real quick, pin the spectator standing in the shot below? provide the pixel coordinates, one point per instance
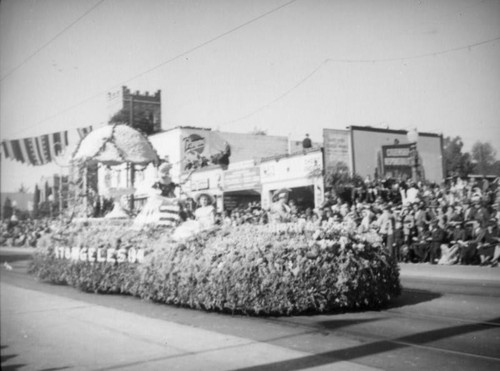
(306, 143)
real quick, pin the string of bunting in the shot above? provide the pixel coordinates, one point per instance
(40, 150)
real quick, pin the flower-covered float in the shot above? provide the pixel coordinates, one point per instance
(271, 269)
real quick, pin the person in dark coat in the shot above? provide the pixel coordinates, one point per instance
(437, 237)
(419, 251)
(306, 143)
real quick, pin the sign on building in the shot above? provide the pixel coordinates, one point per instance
(242, 179)
(337, 150)
(397, 161)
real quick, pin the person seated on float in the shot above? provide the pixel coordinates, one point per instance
(205, 213)
(366, 220)
(294, 210)
(204, 219)
(280, 211)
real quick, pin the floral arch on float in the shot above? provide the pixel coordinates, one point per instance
(114, 145)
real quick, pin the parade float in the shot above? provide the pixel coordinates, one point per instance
(271, 269)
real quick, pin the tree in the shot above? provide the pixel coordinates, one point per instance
(23, 189)
(457, 163)
(36, 201)
(483, 156)
(258, 131)
(8, 209)
(341, 183)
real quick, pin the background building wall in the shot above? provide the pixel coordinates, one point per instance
(367, 144)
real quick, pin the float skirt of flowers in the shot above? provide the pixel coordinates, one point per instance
(271, 270)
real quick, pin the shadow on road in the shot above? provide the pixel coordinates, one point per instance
(14, 258)
(413, 297)
(377, 347)
(6, 357)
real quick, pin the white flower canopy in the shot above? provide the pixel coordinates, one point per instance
(115, 144)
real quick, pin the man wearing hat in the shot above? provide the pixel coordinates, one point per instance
(489, 243)
(451, 254)
(437, 238)
(280, 211)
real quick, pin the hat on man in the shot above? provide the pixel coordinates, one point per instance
(165, 167)
(281, 193)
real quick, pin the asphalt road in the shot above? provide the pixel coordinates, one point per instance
(447, 318)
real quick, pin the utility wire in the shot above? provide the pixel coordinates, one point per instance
(281, 96)
(333, 60)
(399, 59)
(189, 51)
(28, 58)
(164, 62)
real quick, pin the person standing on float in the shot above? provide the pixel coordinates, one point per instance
(162, 207)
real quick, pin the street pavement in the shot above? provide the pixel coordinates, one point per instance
(437, 323)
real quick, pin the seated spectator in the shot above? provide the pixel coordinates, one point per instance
(468, 250)
(450, 253)
(437, 237)
(419, 250)
(489, 244)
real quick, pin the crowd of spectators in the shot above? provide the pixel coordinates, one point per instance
(22, 233)
(452, 223)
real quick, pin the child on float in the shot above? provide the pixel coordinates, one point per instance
(204, 218)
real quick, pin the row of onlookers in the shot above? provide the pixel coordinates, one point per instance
(457, 223)
(22, 233)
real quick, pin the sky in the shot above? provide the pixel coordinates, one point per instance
(288, 67)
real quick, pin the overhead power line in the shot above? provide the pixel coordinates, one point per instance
(300, 82)
(28, 58)
(170, 60)
(281, 96)
(419, 56)
(336, 60)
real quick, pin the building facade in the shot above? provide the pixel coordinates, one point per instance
(141, 111)
(363, 150)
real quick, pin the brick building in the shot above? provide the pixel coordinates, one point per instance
(141, 111)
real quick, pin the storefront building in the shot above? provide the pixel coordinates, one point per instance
(379, 153)
(301, 173)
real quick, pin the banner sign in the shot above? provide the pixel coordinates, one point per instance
(241, 179)
(200, 148)
(397, 160)
(100, 255)
(337, 150)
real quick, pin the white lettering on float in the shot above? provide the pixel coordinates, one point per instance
(100, 255)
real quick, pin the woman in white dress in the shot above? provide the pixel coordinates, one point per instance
(205, 218)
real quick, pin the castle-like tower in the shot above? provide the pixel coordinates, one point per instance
(141, 111)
